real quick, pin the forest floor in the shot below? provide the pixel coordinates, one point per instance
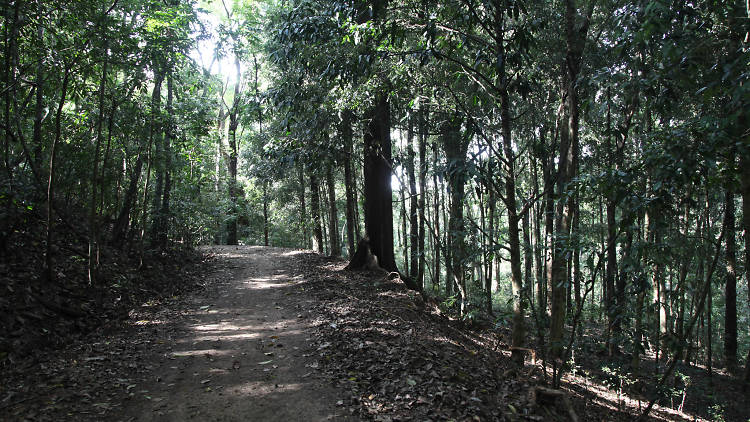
(287, 335)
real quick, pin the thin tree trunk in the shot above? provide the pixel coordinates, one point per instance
(490, 257)
(303, 211)
(730, 290)
(315, 213)
(157, 158)
(39, 112)
(455, 148)
(518, 334)
(48, 258)
(575, 34)
(352, 236)
(93, 258)
(745, 192)
(436, 222)
(265, 213)
(234, 122)
(422, 116)
(168, 135)
(413, 204)
(333, 224)
(404, 240)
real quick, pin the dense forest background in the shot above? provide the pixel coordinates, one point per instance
(564, 166)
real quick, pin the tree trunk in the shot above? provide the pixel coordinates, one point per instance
(455, 148)
(575, 35)
(490, 257)
(233, 156)
(333, 219)
(611, 269)
(527, 256)
(436, 232)
(93, 252)
(549, 229)
(265, 213)
(315, 213)
(302, 209)
(39, 112)
(745, 192)
(422, 116)
(518, 330)
(730, 293)
(352, 236)
(403, 239)
(48, 272)
(123, 218)
(377, 185)
(414, 250)
(168, 135)
(157, 157)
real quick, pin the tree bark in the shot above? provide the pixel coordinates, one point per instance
(315, 213)
(333, 219)
(302, 207)
(265, 213)
(48, 272)
(518, 334)
(745, 192)
(232, 164)
(352, 236)
(414, 250)
(422, 115)
(93, 252)
(575, 35)
(157, 157)
(455, 148)
(730, 292)
(436, 209)
(377, 185)
(167, 170)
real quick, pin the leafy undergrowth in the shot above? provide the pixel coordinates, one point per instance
(398, 360)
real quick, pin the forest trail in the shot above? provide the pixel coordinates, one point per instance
(240, 352)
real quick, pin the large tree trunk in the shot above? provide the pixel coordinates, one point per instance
(377, 185)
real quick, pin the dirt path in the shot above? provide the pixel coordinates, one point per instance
(240, 353)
